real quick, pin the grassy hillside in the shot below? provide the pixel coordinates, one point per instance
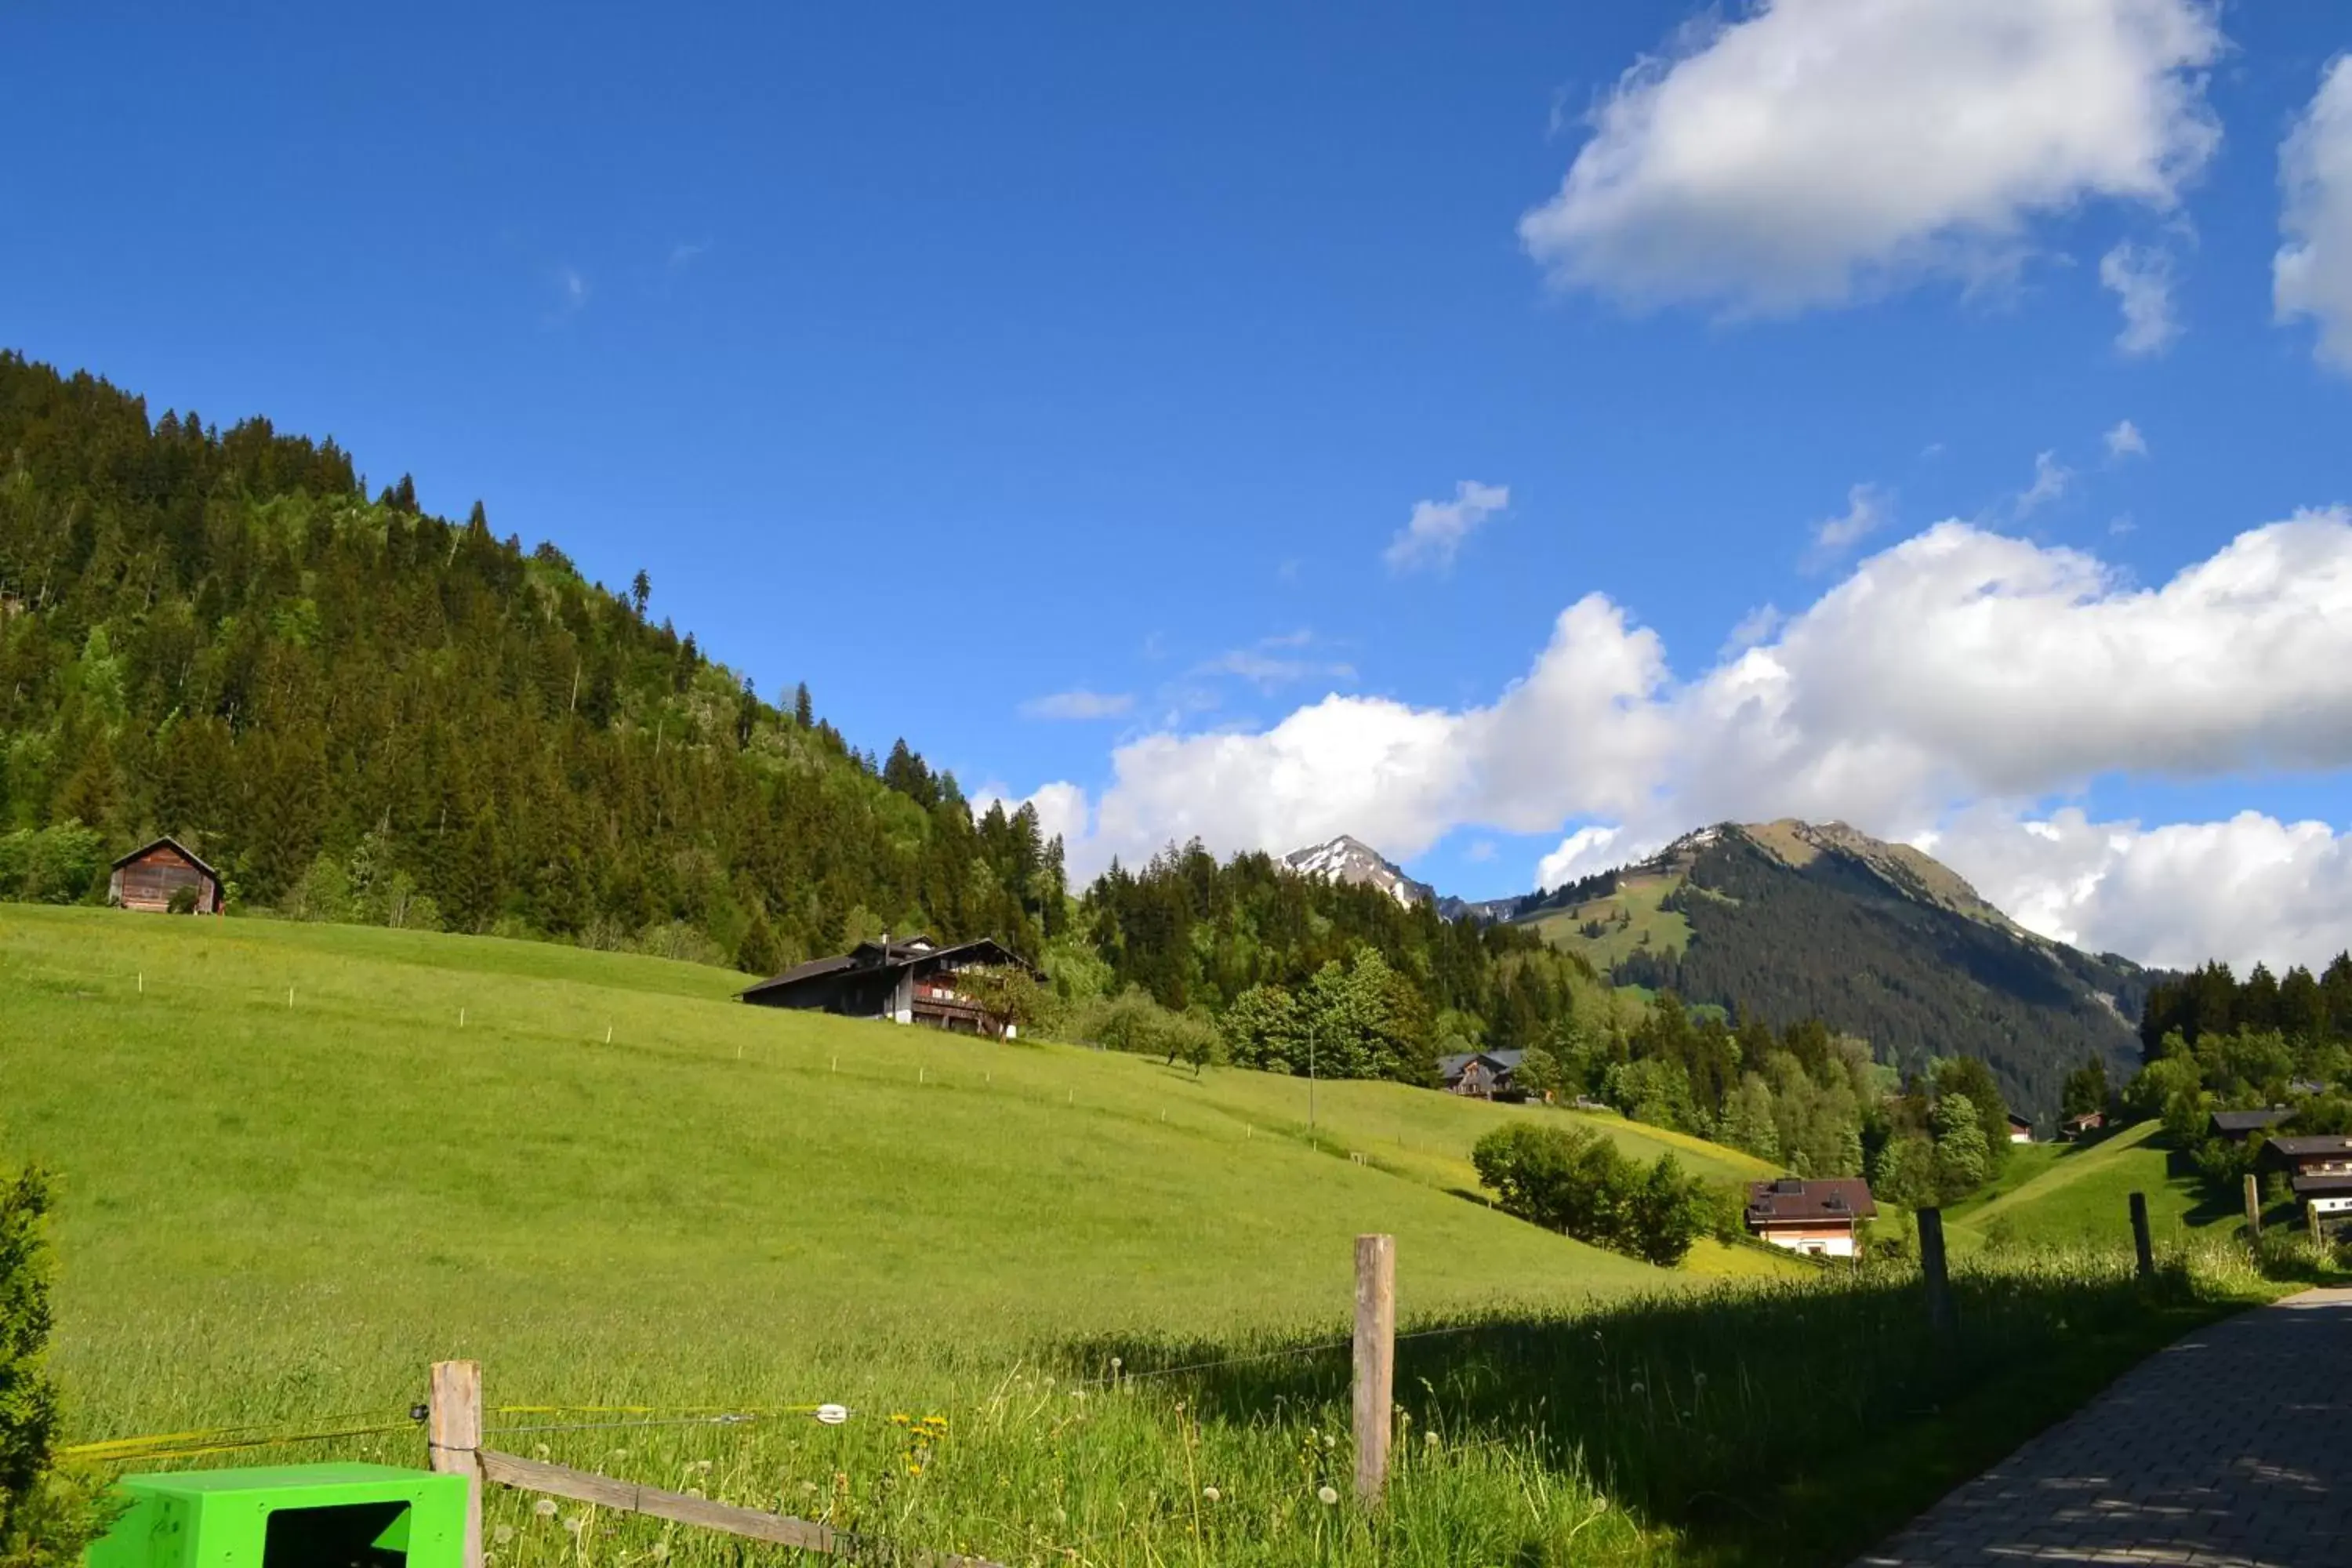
(326, 1190)
(281, 1207)
(2061, 1196)
(1629, 918)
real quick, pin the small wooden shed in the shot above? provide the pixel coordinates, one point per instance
(148, 877)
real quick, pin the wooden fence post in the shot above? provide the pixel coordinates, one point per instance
(1940, 1316)
(452, 1439)
(2311, 1216)
(2141, 1246)
(1375, 1362)
(2253, 1207)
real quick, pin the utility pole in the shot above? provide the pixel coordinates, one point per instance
(1311, 1077)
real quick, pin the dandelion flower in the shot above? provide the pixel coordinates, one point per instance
(1429, 1438)
(660, 1550)
(1325, 1496)
(544, 1508)
(1213, 1494)
(576, 1524)
(703, 1465)
(539, 1450)
(503, 1534)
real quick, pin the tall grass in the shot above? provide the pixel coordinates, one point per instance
(1767, 1422)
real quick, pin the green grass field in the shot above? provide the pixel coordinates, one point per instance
(299, 1162)
(356, 1169)
(2068, 1196)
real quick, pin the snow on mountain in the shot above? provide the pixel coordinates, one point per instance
(1350, 860)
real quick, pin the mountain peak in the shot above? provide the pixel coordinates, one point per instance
(1348, 858)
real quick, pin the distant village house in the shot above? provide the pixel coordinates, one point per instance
(2238, 1126)
(909, 982)
(2081, 1123)
(2320, 1171)
(151, 876)
(1819, 1218)
(1482, 1075)
(2021, 1127)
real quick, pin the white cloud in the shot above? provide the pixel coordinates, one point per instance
(1585, 851)
(1752, 629)
(571, 290)
(2125, 441)
(687, 252)
(2312, 275)
(2051, 478)
(1078, 705)
(1434, 532)
(1867, 507)
(1809, 152)
(1954, 671)
(2250, 888)
(1272, 662)
(2141, 278)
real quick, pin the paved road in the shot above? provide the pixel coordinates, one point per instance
(2231, 1448)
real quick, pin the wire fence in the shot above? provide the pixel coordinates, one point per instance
(213, 1440)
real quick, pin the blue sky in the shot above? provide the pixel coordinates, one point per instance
(950, 359)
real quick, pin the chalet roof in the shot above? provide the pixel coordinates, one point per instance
(1452, 1067)
(2024, 1122)
(2250, 1121)
(1793, 1198)
(173, 844)
(885, 957)
(2322, 1182)
(2317, 1144)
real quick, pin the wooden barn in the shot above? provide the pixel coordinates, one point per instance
(148, 877)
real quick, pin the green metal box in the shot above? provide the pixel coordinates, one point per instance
(288, 1516)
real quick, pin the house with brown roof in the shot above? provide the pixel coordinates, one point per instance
(1819, 1218)
(152, 876)
(2319, 1169)
(2081, 1124)
(909, 982)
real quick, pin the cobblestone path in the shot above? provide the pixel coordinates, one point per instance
(2233, 1449)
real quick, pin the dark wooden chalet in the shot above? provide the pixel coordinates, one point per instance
(1817, 1217)
(2238, 1126)
(909, 982)
(148, 877)
(1482, 1075)
(2320, 1169)
(2021, 1127)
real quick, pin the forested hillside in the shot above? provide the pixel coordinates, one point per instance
(359, 711)
(1783, 938)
